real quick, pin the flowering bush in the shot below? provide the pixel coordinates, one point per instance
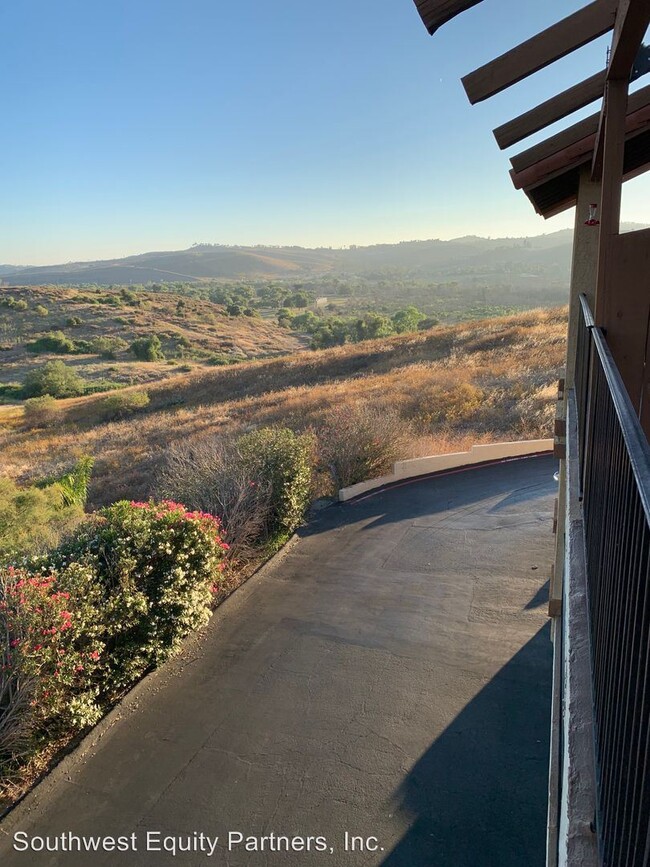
(82, 623)
(157, 566)
(50, 654)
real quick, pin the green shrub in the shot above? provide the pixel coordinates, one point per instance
(74, 322)
(221, 360)
(283, 460)
(123, 403)
(158, 567)
(34, 519)
(41, 411)
(74, 484)
(11, 391)
(147, 348)
(54, 378)
(41, 311)
(55, 341)
(130, 297)
(108, 347)
(13, 304)
(97, 386)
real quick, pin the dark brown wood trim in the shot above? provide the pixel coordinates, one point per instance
(551, 44)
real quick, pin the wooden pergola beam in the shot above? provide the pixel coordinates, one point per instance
(553, 109)
(632, 22)
(564, 139)
(576, 153)
(551, 44)
(435, 13)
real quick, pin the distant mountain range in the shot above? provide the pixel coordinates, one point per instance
(546, 255)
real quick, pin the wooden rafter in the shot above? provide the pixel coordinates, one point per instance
(576, 152)
(549, 172)
(550, 111)
(435, 13)
(573, 134)
(541, 50)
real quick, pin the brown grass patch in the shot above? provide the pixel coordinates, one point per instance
(475, 382)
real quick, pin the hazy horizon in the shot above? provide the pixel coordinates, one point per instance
(163, 249)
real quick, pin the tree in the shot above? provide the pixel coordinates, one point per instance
(285, 317)
(374, 325)
(54, 378)
(147, 348)
(407, 319)
(299, 299)
(307, 321)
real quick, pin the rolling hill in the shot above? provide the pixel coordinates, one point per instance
(428, 259)
(191, 331)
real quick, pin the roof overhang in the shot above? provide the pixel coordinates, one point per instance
(435, 13)
(548, 172)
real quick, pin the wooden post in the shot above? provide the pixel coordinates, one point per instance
(613, 120)
(584, 265)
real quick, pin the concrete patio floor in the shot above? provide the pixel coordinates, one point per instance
(389, 677)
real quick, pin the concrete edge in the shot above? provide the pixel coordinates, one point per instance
(478, 454)
(130, 703)
(577, 842)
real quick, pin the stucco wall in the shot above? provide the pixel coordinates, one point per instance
(436, 463)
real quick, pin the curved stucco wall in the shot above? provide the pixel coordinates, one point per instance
(436, 463)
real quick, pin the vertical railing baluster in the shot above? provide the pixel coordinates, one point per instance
(614, 463)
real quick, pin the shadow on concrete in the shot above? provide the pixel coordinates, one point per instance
(540, 598)
(458, 489)
(477, 797)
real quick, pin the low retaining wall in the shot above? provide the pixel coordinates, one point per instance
(434, 464)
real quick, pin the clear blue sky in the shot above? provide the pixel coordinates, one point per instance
(133, 125)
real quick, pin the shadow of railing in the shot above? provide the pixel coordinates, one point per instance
(458, 489)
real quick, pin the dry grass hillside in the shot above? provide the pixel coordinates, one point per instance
(479, 381)
(195, 332)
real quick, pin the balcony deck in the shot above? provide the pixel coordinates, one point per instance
(389, 677)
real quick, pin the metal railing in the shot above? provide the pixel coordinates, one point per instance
(615, 474)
